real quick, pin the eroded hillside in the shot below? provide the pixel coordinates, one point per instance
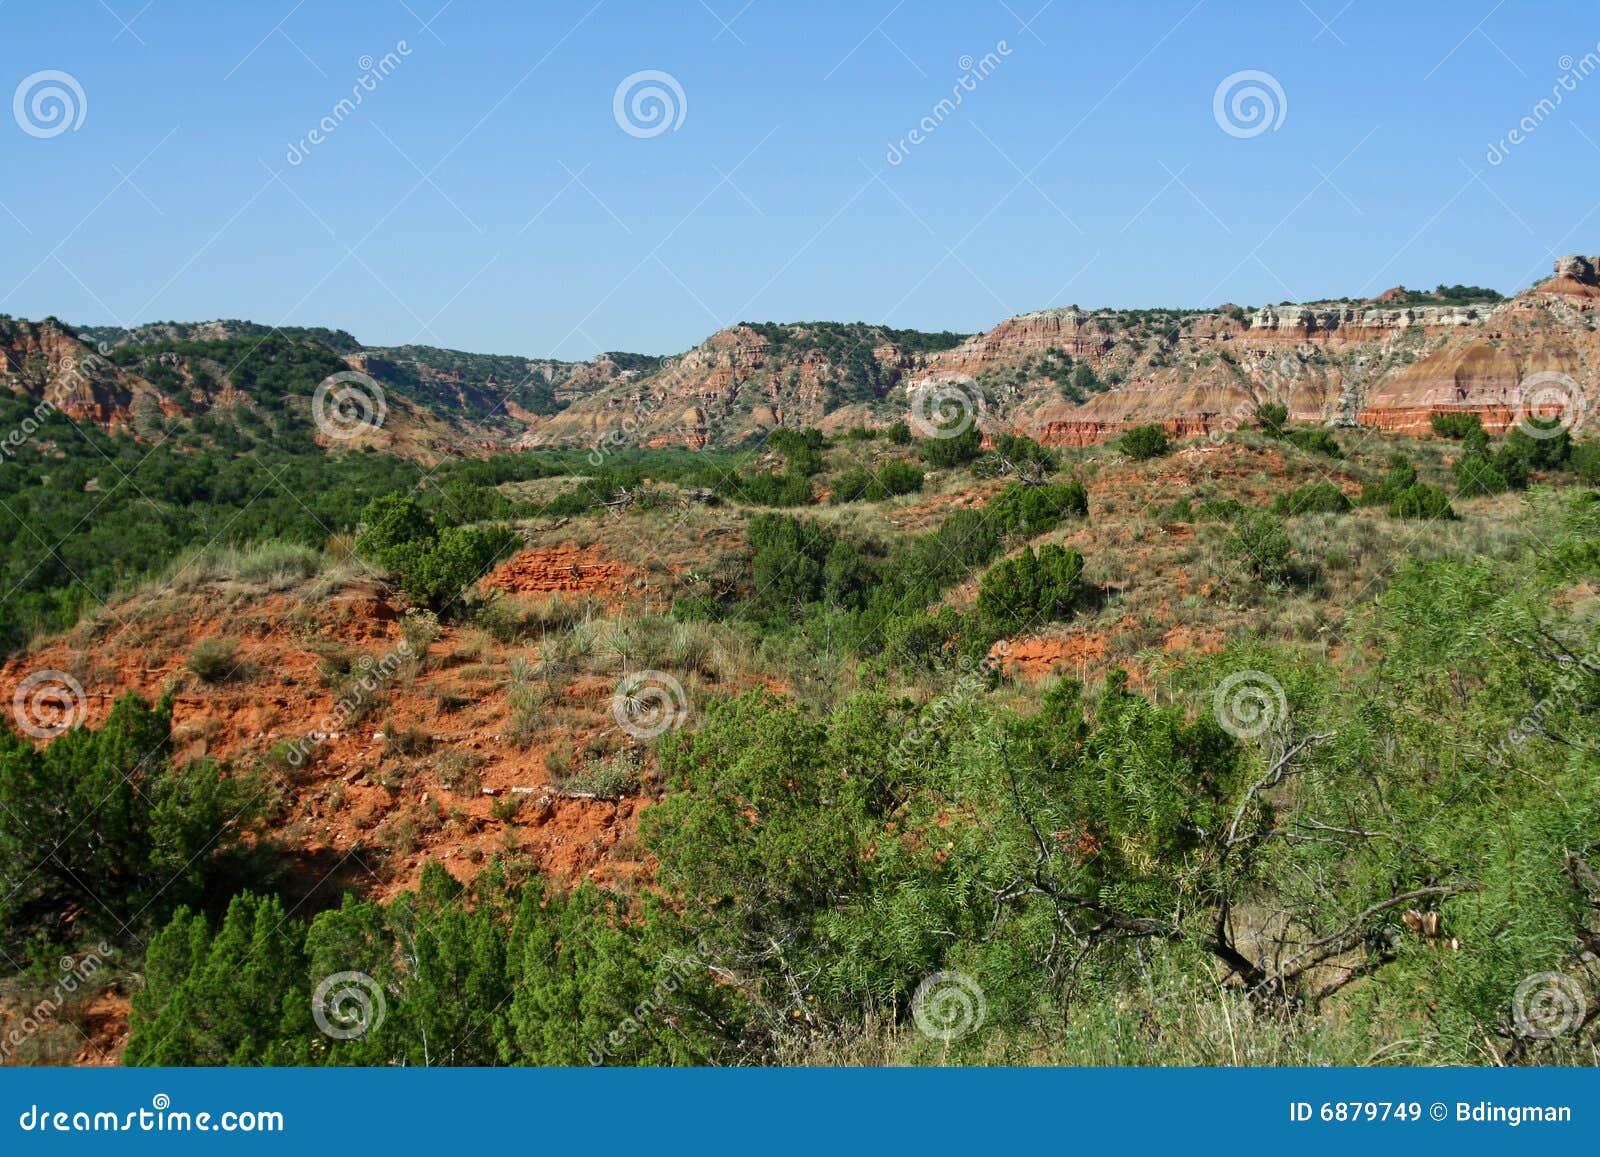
(1067, 377)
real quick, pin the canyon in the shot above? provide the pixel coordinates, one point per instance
(1066, 376)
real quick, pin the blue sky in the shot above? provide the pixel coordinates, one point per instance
(484, 196)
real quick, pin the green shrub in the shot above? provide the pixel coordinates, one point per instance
(795, 564)
(959, 442)
(1455, 424)
(1180, 509)
(394, 522)
(802, 449)
(1312, 498)
(920, 641)
(1142, 442)
(1220, 510)
(851, 486)
(1262, 547)
(1314, 440)
(241, 975)
(1401, 476)
(1083, 381)
(1476, 475)
(1521, 453)
(696, 609)
(129, 836)
(461, 501)
(1421, 501)
(1271, 417)
(1585, 461)
(898, 477)
(891, 479)
(1025, 455)
(1020, 509)
(216, 661)
(843, 592)
(1031, 588)
(460, 556)
(1512, 464)
(762, 488)
(434, 567)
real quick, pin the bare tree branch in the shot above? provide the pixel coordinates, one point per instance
(1271, 779)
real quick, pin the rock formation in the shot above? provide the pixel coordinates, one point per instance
(1066, 376)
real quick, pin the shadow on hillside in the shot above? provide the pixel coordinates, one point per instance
(308, 881)
(312, 881)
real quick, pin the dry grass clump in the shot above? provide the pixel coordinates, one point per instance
(217, 661)
(276, 566)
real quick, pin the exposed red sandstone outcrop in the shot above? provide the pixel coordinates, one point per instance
(1195, 373)
(44, 360)
(558, 569)
(1069, 331)
(1383, 364)
(1477, 377)
(736, 383)
(1575, 276)
(1484, 372)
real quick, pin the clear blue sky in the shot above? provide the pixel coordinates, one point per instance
(484, 196)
